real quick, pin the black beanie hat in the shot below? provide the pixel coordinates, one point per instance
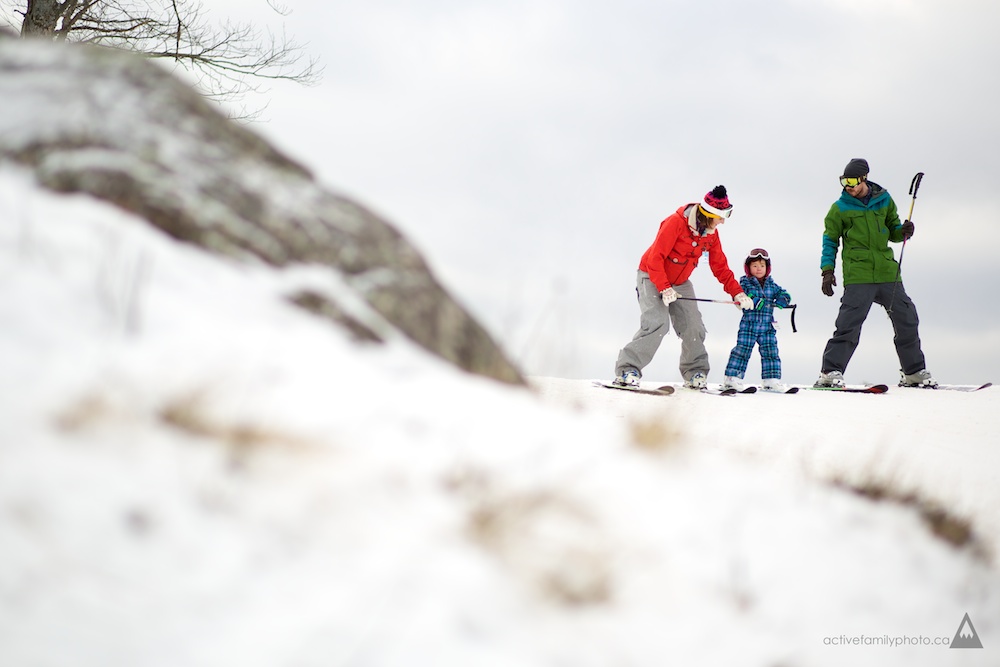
(856, 168)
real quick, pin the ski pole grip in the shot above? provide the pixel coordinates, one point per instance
(915, 183)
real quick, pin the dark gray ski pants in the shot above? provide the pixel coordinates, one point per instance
(854, 307)
(654, 323)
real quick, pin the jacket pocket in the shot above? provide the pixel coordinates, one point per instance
(856, 253)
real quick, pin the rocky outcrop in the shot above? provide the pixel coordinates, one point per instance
(122, 129)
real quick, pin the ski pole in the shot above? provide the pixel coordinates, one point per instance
(733, 303)
(793, 307)
(914, 186)
(691, 298)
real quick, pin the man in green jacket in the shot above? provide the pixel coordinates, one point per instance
(866, 219)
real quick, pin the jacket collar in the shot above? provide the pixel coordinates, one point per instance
(691, 211)
(875, 194)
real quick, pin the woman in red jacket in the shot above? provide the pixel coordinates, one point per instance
(663, 276)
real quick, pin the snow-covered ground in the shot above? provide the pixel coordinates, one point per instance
(194, 472)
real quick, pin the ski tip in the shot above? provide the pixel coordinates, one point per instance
(965, 387)
(953, 387)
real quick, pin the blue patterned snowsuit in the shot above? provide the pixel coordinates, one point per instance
(757, 327)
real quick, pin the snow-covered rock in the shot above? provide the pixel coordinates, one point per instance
(120, 128)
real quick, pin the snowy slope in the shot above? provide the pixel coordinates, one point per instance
(194, 472)
(942, 444)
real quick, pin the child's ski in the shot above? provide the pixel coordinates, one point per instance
(712, 392)
(873, 389)
(723, 392)
(665, 390)
(790, 390)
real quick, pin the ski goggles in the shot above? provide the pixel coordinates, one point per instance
(712, 212)
(849, 182)
(758, 254)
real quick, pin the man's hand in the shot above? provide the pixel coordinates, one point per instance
(829, 280)
(669, 296)
(744, 302)
(907, 228)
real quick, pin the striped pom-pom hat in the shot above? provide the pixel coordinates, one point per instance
(716, 203)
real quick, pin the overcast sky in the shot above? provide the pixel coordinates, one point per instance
(531, 149)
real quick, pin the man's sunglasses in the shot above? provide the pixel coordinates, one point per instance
(851, 182)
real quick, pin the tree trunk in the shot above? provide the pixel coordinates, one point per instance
(41, 18)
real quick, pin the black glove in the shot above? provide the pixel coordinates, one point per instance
(829, 280)
(907, 228)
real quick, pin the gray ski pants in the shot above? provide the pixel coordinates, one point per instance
(654, 323)
(854, 307)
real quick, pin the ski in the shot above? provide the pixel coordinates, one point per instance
(712, 392)
(873, 389)
(790, 390)
(723, 392)
(954, 387)
(665, 390)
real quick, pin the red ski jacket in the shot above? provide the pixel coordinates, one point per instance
(677, 249)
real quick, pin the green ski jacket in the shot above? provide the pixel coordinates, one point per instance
(866, 230)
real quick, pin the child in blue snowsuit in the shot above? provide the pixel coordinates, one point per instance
(757, 325)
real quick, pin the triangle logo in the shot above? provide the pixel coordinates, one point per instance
(966, 636)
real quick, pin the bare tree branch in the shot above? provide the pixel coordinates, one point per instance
(227, 61)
